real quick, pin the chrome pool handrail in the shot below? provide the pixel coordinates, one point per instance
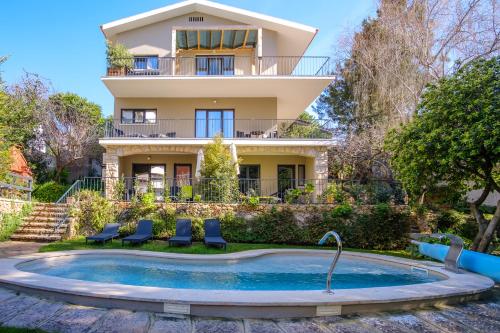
(335, 259)
(454, 252)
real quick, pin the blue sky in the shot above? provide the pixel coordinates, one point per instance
(61, 39)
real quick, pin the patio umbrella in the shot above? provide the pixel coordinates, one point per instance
(199, 160)
(234, 157)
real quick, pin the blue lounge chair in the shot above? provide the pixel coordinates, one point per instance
(143, 233)
(212, 233)
(109, 232)
(183, 233)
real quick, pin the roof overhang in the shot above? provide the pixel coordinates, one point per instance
(296, 35)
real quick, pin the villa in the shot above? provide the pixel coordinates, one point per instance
(202, 69)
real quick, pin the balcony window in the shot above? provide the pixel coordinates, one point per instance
(146, 63)
(250, 179)
(209, 123)
(215, 65)
(140, 116)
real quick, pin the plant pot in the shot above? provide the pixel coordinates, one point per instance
(116, 71)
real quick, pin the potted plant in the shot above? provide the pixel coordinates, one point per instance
(119, 59)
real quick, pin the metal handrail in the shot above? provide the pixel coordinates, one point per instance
(335, 259)
(262, 129)
(320, 66)
(454, 252)
(74, 188)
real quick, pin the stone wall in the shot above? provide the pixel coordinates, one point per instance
(9, 206)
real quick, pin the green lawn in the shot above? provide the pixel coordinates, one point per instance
(196, 248)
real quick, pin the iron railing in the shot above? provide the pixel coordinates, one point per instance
(225, 66)
(16, 186)
(242, 190)
(270, 129)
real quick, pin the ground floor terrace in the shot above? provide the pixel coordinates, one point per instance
(173, 171)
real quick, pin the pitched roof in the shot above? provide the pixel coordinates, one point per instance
(296, 33)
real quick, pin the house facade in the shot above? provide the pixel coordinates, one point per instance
(202, 69)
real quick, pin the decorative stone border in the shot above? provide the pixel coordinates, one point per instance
(244, 304)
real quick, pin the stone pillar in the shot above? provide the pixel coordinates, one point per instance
(111, 175)
(320, 172)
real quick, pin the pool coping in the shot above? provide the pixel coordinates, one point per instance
(225, 303)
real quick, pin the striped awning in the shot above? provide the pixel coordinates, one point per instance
(216, 39)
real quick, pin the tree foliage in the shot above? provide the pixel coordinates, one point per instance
(219, 179)
(383, 68)
(455, 139)
(70, 127)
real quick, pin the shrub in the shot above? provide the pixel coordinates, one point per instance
(92, 212)
(333, 194)
(11, 221)
(118, 56)
(49, 192)
(344, 211)
(220, 183)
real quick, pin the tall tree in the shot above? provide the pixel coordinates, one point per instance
(455, 140)
(70, 126)
(384, 68)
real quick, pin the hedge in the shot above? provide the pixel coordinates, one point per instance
(381, 226)
(374, 227)
(49, 192)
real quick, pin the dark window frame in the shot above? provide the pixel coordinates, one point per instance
(301, 181)
(250, 165)
(207, 120)
(136, 56)
(210, 57)
(150, 165)
(133, 116)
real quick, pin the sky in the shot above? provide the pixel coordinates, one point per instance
(61, 40)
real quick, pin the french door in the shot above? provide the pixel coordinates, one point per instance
(210, 123)
(146, 175)
(215, 65)
(286, 179)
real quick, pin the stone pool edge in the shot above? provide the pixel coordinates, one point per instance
(244, 304)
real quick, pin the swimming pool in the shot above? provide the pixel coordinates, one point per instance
(269, 272)
(270, 283)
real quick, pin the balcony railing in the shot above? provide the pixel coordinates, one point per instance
(269, 129)
(225, 66)
(245, 190)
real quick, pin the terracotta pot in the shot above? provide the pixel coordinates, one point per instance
(115, 71)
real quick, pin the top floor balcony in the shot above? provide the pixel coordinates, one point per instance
(223, 66)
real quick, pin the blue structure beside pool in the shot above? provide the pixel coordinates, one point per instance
(476, 262)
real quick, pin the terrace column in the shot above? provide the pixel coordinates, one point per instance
(174, 50)
(259, 51)
(321, 172)
(110, 160)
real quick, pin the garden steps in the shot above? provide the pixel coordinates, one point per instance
(41, 224)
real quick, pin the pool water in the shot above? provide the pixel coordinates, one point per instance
(269, 272)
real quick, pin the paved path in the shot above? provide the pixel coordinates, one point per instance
(20, 310)
(11, 248)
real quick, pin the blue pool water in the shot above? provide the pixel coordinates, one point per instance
(270, 272)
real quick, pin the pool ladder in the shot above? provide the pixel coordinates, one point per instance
(335, 259)
(455, 250)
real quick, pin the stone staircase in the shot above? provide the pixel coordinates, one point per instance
(40, 225)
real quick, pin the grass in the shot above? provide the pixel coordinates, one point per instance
(196, 248)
